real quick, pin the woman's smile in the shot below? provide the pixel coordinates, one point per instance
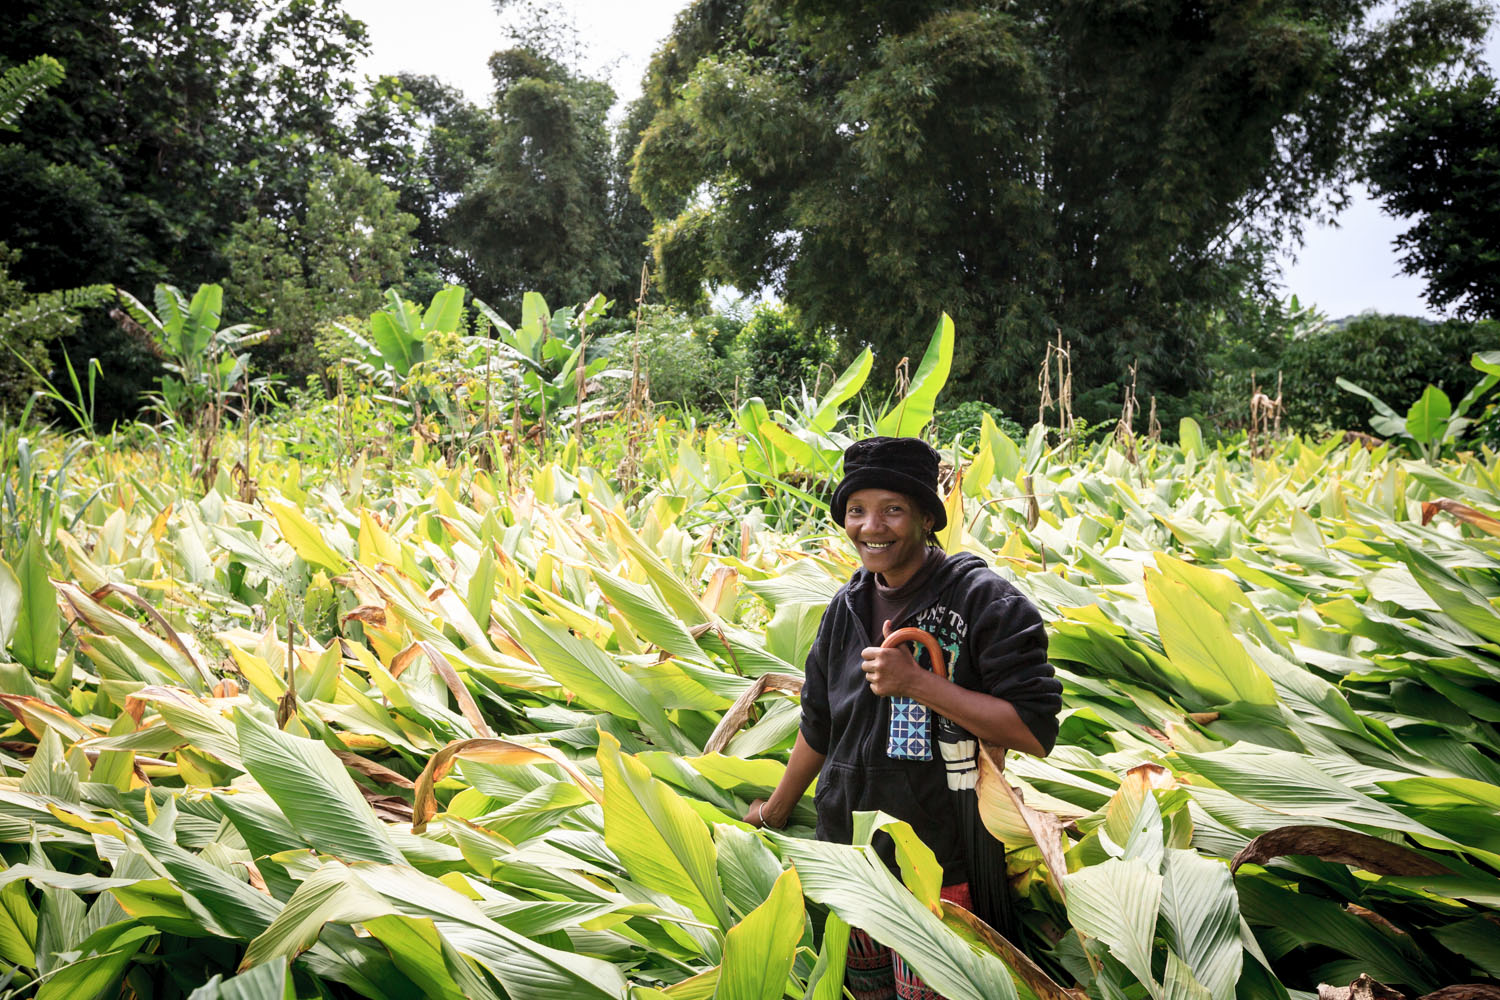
(889, 531)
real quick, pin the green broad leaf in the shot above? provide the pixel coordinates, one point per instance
(535, 317)
(1457, 599)
(792, 630)
(10, 603)
(1190, 436)
(33, 639)
(446, 311)
(305, 538)
(325, 676)
(1133, 826)
(759, 950)
(227, 906)
(826, 982)
(1292, 784)
(1202, 912)
(396, 331)
(1178, 982)
(264, 982)
(1117, 903)
(919, 866)
(202, 319)
(661, 841)
(1487, 362)
(481, 589)
(842, 390)
(1007, 453)
(747, 869)
(1427, 420)
(106, 954)
(1311, 920)
(1474, 938)
(1437, 793)
(49, 774)
(647, 615)
(328, 895)
(1478, 391)
(588, 671)
(427, 959)
(1386, 421)
(804, 457)
(855, 884)
(314, 790)
(206, 729)
(910, 414)
(526, 968)
(1211, 661)
(979, 475)
(156, 902)
(17, 926)
(803, 582)
(673, 589)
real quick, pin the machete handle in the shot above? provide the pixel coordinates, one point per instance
(934, 651)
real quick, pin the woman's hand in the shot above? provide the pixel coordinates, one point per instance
(758, 817)
(891, 671)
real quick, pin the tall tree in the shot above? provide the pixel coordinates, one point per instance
(336, 259)
(1104, 170)
(544, 202)
(1437, 162)
(174, 118)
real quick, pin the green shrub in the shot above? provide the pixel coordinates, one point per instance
(677, 353)
(1244, 344)
(965, 419)
(778, 350)
(1393, 357)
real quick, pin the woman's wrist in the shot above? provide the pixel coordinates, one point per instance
(768, 817)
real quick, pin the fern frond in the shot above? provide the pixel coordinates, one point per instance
(51, 313)
(20, 85)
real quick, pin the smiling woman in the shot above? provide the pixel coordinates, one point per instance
(868, 709)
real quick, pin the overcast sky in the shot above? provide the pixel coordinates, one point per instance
(1342, 269)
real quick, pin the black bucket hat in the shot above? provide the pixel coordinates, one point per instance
(902, 465)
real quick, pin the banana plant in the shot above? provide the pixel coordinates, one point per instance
(1432, 423)
(553, 359)
(201, 359)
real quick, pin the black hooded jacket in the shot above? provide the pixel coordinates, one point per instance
(994, 642)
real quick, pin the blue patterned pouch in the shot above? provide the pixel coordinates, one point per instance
(911, 730)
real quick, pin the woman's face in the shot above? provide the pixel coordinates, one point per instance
(889, 531)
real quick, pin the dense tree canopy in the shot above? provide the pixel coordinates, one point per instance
(538, 186)
(173, 119)
(1437, 162)
(1104, 170)
(337, 259)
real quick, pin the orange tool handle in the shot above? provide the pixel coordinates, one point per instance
(934, 651)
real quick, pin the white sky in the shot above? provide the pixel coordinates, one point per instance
(1346, 268)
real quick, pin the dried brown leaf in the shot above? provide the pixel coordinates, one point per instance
(735, 717)
(1476, 519)
(1020, 965)
(1359, 850)
(371, 769)
(999, 803)
(486, 751)
(466, 703)
(1363, 988)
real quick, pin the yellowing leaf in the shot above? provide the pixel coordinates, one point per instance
(1207, 655)
(305, 538)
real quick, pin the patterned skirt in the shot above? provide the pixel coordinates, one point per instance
(875, 972)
